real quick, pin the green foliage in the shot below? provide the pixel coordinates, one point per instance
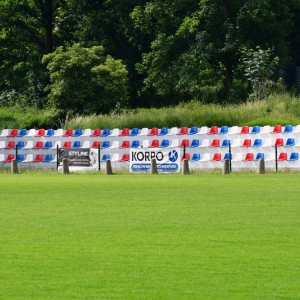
(83, 80)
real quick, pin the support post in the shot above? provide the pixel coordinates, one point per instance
(108, 168)
(65, 166)
(14, 166)
(229, 156)
(261, 166)
(226, 167)
(276, 161)
(153, 167)
(185, 167)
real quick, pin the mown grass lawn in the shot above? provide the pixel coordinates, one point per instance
(204, 236)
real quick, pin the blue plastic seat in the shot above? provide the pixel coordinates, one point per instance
(105, 132)
(47, 158)
(257, 143)
(196, 157)
(135, 144)
(227, 156)
(48, 145)
(76, 144)
(255, 129)
(224, 130)
(164, 144)
(225, 144)
(77, 132)
(105, 144)
(20, 157)
(20, 145)
(195, 143)
(288, 129)
(50, 132)
(193, 130)
(22, 133)
(134, 132)
(259, 156)
(294, 156)
(163, 131)
(290, 142)
(105, 157)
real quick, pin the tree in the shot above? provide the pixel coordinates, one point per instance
(84, 81)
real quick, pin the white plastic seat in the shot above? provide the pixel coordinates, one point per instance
(233, 130)
(145, 144)
(237, 157)
(270, 157)
(205, 157)
(59, 132)
(115, 132)
(115, 145)
(54, 159)
(31, 132)
(173, 131)
(29, 158)
(236, 143)
(86, 144)
(2, 144)
(297, 129)
(57, 143)
(203, 130)
(174, 143)
(204, 143)
(144, 131)
(2, 157)
(266, 143)
(266, 129)
(87, 132)
(115, 157)
(5, 132)
(28, 145)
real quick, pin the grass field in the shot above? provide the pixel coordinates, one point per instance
(202, 236)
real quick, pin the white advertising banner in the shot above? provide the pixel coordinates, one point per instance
(167, 160)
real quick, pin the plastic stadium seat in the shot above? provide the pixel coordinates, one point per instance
(204, 143)
(203, 130)
(105, 157)
(59, 132)
(196, 157)
(267, 143)
(213, 130)
(237, 157)
(22, 133)
(216, 157)
(257, 143)
(20, 158)
(56, 144)
(135, 144)
(249, 157)
(279, 142)
(205, 157)
(31, 132)
(282, 156)
(50, 132)
(38, 145)
(185, 143)
(259, 156)
(38, 158)
(29, 158)
(115, 157)
(69, 132)
(186, 156)
(20, 145)
(288, 129)
(47, 158)
(134, 132)
(145, 144)
(277, 129)
(294, 156)
(270, 157)
(47, 145)
(77, 132)
(255, 130)
(290, 142)
(195, 143)
(234, 130)
(41, 132)
(2, 144)
(225, 144)
(28, 145)
(214, 143)
(193, 130)
(114, 145)
(246, 143)
(173, 131)
(144, 131)
(87, 132)
(244, 130)
(125, 157)
(10, 145)
(86, 144)
(227, 156)
(103, 145)
(125, 144)
(183, 131)
(154, 144)
(9, 158)
(13, 133)
(67, 145)
(76, 144)
(96, 132)
(236, 143)
(163, 131)
(174, 143)
(164, 144)
(224, 130)
(124, 132)
(153, 131)
(115, 132)
(266, 129)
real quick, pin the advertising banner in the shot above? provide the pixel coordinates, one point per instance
(76, 157)
(167, 160)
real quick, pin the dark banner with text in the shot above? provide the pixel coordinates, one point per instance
(76, 157)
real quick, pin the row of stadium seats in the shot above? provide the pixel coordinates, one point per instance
(10, 133)
(279, 142)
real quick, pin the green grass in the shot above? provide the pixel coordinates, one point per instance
(203, 236)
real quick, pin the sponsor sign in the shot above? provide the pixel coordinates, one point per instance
(76, 157)
(166, 160)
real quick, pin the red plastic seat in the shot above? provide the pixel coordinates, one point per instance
(124, 158)
(185, 143)
(213, 130)
(282, 156)
(13, 133)
(279, 142)
(41, 132)
(153, 131)
(183, 130)
(249, 157)
(216, 157)
(215, 143)
(67, 144)
(244, 130)
(10, 158)
(96, 144)
(154, 144)
(69, 132)
(186, 156)
(246, 143)
(10, 145)
(38, 158)
(125, 144)
(96, 132)
(125, 132)
(277, 129)
(38, 145)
